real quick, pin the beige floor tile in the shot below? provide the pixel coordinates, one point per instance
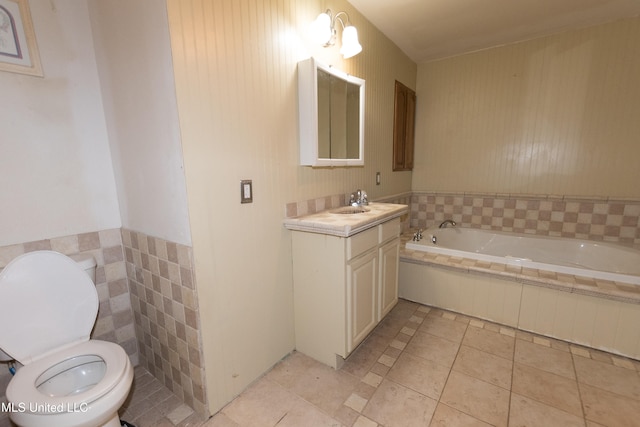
(478, 361)
(609, 409)
(390, 326)
(359, 363)
(314, 382)
(404, 309)
(221, 420)
(443, 328)
(446, 416)
(527, 412)
(346, 416)
(364, 422)
(433, 348)
(613, 378)
(418, 374)
(393, 405)
(484, 366)
(545, 358)
(262, 404)
(481, 400)
(548, 388)
(305, 414)
(356, 402)
(179, 414)
(378, 340)
(490, 342)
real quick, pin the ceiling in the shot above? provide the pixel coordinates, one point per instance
(432, 29)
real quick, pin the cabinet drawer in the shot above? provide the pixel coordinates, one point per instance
(362, 242)
(389, 230)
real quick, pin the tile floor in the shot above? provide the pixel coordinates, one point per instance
(424, 367)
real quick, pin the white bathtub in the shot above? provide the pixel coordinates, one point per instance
(593, 313)
(570, 256)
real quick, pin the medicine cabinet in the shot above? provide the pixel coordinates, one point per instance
(403, 127)
(331, 116)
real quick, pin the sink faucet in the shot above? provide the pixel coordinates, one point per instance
(358, 198)
(447, 221)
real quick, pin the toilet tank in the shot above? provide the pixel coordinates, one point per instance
(88, 263)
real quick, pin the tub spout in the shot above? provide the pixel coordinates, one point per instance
(447, 221)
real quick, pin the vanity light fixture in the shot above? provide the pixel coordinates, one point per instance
(324, 31)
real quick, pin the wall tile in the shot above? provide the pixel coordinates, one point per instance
(165, 307)
(596, 219)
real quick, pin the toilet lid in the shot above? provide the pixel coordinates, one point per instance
(46, 302)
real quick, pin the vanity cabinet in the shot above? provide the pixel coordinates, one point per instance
(343, 287)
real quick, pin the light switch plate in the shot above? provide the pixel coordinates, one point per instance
(246, 191)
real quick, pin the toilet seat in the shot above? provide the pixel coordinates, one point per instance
(23, 386)
(48, 302)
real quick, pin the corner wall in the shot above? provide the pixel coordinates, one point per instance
(236, 83)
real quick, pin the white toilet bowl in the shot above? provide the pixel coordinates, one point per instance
(67, 380)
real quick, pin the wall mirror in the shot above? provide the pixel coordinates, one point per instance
(331, 116)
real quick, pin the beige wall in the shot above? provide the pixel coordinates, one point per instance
(235, 69)
(141, 115)
(558, 115)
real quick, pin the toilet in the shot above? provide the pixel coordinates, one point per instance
(48, 306)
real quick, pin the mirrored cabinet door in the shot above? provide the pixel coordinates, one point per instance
(331, 116)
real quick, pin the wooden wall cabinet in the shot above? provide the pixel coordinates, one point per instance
(343, 287)
(403, 128)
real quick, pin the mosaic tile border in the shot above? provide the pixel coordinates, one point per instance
(595, 218)
(165, 307)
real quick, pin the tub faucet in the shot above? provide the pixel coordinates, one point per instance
(417, 236)
(447, 221)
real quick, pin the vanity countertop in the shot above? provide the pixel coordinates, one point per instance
(345, 225)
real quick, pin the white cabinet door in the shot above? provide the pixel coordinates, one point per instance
(389, 264)
(362, 281)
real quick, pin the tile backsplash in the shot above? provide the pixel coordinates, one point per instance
(558, 216)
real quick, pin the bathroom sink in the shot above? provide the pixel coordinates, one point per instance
(350, 210)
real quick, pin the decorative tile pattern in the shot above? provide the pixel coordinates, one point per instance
(558, 216)
(165, 310)
(115, 317)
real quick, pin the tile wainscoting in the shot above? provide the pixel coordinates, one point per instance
(558, 216)
(165, 306)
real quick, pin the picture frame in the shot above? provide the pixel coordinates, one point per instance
(18, 47)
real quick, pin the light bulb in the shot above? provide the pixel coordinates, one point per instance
(321, 29)
(350, 44)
